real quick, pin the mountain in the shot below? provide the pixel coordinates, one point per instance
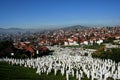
(74, 27)
(14, 29)
(11, 30)
(2, 29)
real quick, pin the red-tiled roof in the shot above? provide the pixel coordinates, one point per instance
(44, 48)
(29, 48)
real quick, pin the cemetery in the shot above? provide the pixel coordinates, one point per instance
(70, 63)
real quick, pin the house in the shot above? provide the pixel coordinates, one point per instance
(66, 43)
(117, 41)
(30, 49)
(70, 42)
(85, 42)
(99, 41)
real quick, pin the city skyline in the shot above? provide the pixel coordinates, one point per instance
(52, 13)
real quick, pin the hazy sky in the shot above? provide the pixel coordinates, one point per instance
(38, 13)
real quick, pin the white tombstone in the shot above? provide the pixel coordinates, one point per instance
(79, 77)
(76, 74)
(67, 75)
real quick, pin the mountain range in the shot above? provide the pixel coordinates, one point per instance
(13, 30)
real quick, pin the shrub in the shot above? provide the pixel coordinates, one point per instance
(113, 54)
(86, 54)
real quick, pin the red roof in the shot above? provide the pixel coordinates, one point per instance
(29, 48)
(44, 48)
(82, 40)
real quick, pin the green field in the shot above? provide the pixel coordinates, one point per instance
(9, 72)
(92, 46)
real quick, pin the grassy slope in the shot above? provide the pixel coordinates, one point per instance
(9, 72)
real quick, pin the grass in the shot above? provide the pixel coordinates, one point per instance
(9, 72)
(92, 46)
(71, 46)
(113, 54)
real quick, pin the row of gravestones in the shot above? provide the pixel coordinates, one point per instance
(77, 66)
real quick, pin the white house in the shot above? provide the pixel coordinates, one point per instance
(99, 41)
(70, 42)
(66, 43)
(85, 42)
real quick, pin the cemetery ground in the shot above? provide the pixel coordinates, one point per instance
(61, 60)
(15, 72)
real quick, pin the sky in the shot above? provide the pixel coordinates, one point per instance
(49, 13)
